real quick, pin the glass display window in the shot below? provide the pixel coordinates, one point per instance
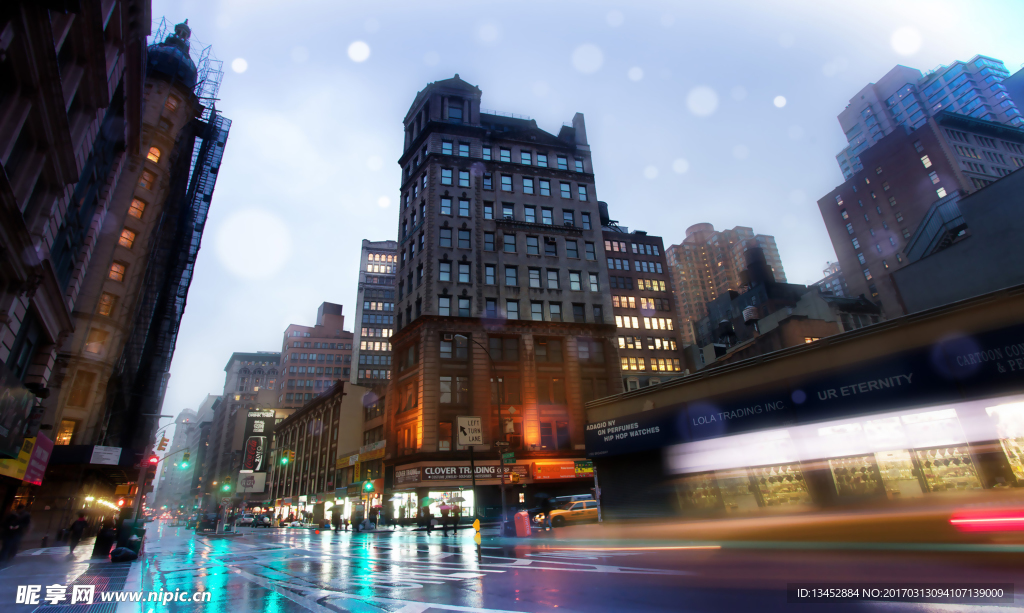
(737, 492)
(948, 469)
(856, 475)
(698, 492)
(899, 475)
(1010, 429)
(460, 499)
(781, 485)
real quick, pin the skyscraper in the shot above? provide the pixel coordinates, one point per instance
(503, 309)
(708, 263)
(314, 357)
(906, 98)
(375, 313)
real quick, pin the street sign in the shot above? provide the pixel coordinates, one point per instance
(471, 431)
(508, 457)
(501, 443)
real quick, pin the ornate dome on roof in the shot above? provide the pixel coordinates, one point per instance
(170, 59)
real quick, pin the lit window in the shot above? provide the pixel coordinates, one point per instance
(95, 341)
(926, 161)
(137, 208)
(64, 434)
(116, 271)
(941, 192)
(147, 180)
(171, 104)
(106, 305)
(127, 238)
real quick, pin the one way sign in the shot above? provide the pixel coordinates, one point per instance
(470, 431)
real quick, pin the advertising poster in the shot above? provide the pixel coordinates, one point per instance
(259, 430)
(38, 460)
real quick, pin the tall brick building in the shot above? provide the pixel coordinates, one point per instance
(503, 308)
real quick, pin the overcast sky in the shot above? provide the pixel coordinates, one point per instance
(682, 103)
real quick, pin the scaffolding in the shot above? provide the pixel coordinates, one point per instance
(209, 70)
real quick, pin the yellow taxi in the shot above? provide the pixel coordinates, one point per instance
(579, 511)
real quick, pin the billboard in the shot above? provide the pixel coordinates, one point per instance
(259, 430)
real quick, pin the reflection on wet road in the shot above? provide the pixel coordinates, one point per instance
(297, 570)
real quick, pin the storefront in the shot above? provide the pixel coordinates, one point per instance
(939, 419)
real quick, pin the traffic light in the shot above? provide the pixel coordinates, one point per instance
(154, 460)
(226, 487)
(291, 456)
(163, 443)
(368, 486)
(120, 502)
(184, 460)
(285, 457)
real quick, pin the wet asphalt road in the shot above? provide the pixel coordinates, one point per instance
(410, 571)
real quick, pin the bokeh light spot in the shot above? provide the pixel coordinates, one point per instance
(779, 101)
(702, 101)
(239, 65)
(383, 202)
(906, 41)
(635, 73)
(358, 51)
(680, 165)
(587, 58)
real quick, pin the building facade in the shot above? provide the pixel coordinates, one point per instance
(871, 217)
(833, 280)
(251, 381)
(709, 263)
(72, 85)
(643, 306)
(173, 479)
(375, 313)
(905, 99)
(504, 308)
(314, 357)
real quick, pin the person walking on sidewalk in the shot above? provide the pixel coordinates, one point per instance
(76, 531)
(14, 528)
(545, 507)
(445, 510)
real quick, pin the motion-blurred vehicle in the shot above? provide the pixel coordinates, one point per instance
(537, 516)
(574, 512)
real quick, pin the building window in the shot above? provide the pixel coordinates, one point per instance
(446, 147)
(454, 390)
(506, 155)
(568, 218)
(594, 286)
(489, 274)
(96, 340)
(555, 311)
(153, 155)
(463, 178)
(487, 153)
(548, 350)
(586, 220)
(552, 278)
(532, 245)
(856, 243)
(572, 249)
(563, 163)
(545, 187)
(849, 227)
(542, 160)
(464, 150)
(463, 272)
(446, 206)
(579, 313)
(934, 176)
(127, 238)
(444, 306)
(512, 309)
(906, 233)
(575, 283)
(147, 180)
(590, 252)
(582, 189)
(490, 308)
(509, 243)
(534, 278)
(579, 165)
(464, 310)
(941, 192)
(464, 242)
(136, 208)
(867, 274)
(65, 432)
(488, 241)
(488, 210)
(525, 157)
(171, 104)
(444, 271)
(488, 185)
(527, 185)
(926, 161)
(861, 258)
(565, 190)
(117, 271)
(506, 183)
(446, 176)
(511, 276)
(530, 214)
(106, 304)
(550, 247)
(537, 311)
(445, 237)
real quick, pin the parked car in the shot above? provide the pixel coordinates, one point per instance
(580, 511)
(192, 521)
(245, 520)
(263, 521)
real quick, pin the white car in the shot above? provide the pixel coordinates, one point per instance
(245, 520)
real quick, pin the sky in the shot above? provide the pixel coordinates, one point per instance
(720, 112)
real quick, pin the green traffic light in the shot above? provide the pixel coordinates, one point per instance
(226, 487)
(284, 461)
(184, 465)
(368, 486)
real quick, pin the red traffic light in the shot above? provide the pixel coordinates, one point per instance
(153, 459)
(120, 502)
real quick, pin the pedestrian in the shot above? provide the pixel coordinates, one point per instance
(14, 528)
(445, 510)
(545, 507)
(76, 531)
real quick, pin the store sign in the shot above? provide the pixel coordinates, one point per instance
(407, 475)
(259, 430)
(351, 460)
(16, 403)
(555, 469)
(38, 460)
(454, 472)
(953, 369)
(287, 501)
(584, 468)
(354, 489)
(105, 455)
(379, 445)
(371, 455)
(15, 468)
(251, 483)
(471, 431)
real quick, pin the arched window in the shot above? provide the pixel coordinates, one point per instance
(153, 155)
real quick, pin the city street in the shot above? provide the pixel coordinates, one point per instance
(299, 570)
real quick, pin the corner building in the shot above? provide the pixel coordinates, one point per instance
(503, 309)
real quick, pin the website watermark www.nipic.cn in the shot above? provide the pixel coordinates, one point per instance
(86, 594)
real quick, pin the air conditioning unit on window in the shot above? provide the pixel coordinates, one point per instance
(447, 336)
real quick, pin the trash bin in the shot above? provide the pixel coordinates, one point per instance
(523, 524)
